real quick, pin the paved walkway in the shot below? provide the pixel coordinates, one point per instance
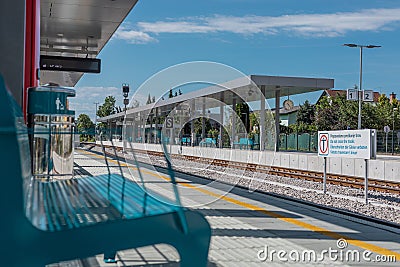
(252, 229)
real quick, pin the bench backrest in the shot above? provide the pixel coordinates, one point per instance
(17, 183)
(15, 163)
(246, 141)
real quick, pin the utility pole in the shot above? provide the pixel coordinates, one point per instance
(360, 92)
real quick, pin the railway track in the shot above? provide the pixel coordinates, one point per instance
(334, 179)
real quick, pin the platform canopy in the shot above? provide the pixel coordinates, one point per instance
(77, 28)
(270, 85)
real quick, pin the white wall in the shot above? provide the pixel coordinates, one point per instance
(381, 168)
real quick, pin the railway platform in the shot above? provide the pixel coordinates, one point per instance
(255, 229)
(384, 167)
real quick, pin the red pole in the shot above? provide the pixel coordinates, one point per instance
(32, 49)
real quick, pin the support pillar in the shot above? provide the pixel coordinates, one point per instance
(156, 134)
(192, 115)
(143, 127)
(262, 119)
(277, 119)
(221, 121)
(149, 139)
(203, 120)
(233, 136)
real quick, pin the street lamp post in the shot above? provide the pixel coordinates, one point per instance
(95, 120)
(125, 92)
(95, 115)
(394, 109)
(360, 88)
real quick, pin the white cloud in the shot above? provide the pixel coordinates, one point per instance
(176, 27)
(86, 97)
(311, 25)
(133, 37)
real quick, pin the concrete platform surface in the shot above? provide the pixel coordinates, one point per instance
(253, 229)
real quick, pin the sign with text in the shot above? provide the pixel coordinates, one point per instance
(57, 63)
(169, 123)
(368, 96)
(347, 144)
(352, 94)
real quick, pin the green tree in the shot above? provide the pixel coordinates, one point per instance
(242, 111)
(85, 127)
(107, 108)
(306, 113)
(348, 113)
(326, 114)
(148, 100)
(198, 125)
(255, 122)
(305, 119)
(370, 117)
(213, 133)
(337, 113)
(384, 111)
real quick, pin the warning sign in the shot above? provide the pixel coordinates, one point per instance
(323, 144)
(347, 144)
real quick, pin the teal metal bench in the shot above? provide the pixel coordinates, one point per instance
(208, 142)
(47, 222)
(244, 143)
(186, 141)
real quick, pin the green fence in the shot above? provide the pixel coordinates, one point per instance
(388, 143)
(306, 142)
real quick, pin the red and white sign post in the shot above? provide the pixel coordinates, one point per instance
(359, 144)
(323, 150)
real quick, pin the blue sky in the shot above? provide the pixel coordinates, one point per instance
(270, 37)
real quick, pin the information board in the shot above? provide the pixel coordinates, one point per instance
(347, 144)
(57, 63)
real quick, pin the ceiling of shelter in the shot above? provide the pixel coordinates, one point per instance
(77, 28)
(241, 89)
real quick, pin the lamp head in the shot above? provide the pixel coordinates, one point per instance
(350, 45)
(125, 88)
(373, 46)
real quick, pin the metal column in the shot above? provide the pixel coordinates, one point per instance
(233, 121)
(277, 119)
(192, 115)
(262, 118)
(203, 120)
(221, 122)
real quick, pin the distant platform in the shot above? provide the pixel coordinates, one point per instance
(385, 167)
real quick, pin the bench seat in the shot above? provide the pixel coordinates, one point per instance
(208, 142)
(244, 142)
(86, 201)
(51, 221)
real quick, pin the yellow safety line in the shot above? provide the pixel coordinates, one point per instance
(317, 229)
